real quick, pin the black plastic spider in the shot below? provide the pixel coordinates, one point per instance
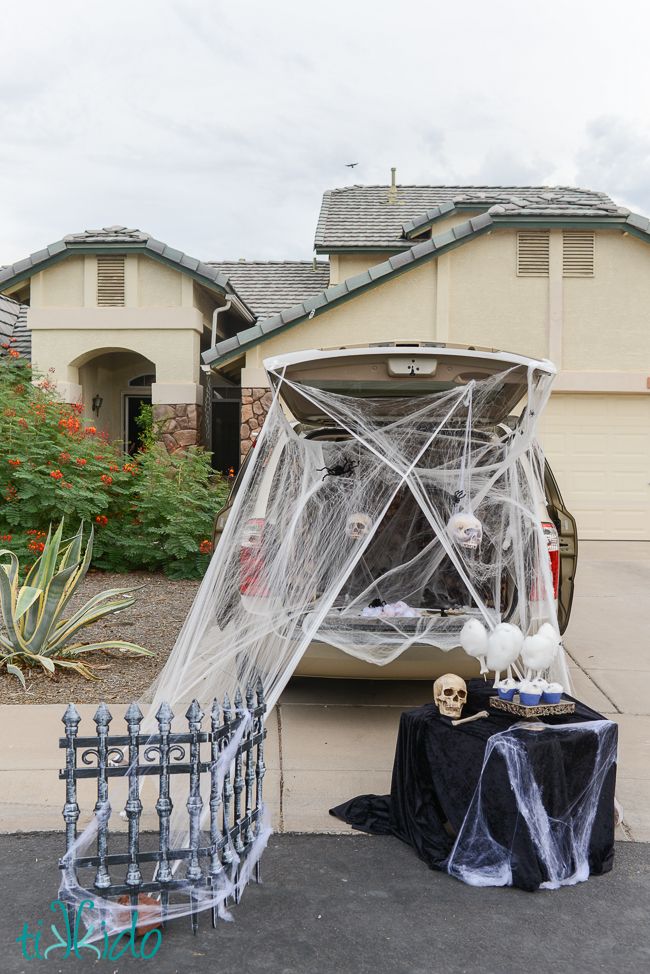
(343, 469)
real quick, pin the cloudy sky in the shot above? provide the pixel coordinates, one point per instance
(217, 126)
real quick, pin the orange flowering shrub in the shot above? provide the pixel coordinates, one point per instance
(47, 462)
(155, 511)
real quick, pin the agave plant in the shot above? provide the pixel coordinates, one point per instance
(34, 630)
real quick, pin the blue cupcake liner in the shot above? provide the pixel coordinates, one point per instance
(530, 699)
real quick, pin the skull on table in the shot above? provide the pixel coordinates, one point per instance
(450, 695)
(465, 529)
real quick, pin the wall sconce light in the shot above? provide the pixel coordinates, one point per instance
(97, 404)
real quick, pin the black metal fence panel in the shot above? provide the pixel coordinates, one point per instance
(215, 853)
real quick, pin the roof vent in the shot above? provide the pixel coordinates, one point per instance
(110, 281)
(533, 253)
(578, 249)
(392, 192)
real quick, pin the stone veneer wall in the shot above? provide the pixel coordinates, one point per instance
(179, 425)
(255, 402)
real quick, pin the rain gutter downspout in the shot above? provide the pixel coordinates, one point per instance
(215, 315)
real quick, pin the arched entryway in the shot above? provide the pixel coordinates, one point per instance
(115, 385)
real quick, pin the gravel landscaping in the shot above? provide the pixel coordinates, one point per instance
(153, 622)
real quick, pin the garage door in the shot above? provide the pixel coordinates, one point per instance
(599, 449)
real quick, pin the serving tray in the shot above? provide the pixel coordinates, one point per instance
(539, 710)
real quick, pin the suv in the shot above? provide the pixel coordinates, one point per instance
(383, 372)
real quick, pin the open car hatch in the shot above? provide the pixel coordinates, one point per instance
(401, 370)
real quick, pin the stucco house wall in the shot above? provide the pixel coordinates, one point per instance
(607, 317)
(404, 307)
(595, 329)
(488, 304)
(162, 322)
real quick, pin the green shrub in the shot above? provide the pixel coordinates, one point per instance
(175, 500)
(145, 425)
(152, 511)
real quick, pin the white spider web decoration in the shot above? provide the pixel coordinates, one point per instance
(288, 570)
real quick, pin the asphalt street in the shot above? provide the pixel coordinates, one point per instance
(333, 904)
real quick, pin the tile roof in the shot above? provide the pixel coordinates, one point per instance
(114, 234)
(380, 217)
(8, 313)
(350, 287)
(22, 333)
(270, 286)
(121, 237)
(13, 324)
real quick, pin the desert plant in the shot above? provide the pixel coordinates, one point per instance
(34, 631)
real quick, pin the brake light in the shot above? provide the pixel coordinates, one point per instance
(553, 546)
(252, 563)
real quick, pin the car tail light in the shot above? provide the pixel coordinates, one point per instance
(252, 563)
(553, 545)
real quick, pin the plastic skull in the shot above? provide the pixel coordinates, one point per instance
(450, 694)
(357, 526)
(465, 530)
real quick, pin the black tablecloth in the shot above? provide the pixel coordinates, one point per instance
(437, 770)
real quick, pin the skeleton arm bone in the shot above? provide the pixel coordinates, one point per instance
(467, 720)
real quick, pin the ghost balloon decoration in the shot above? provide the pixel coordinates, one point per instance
(474, 640)
(504, 645)
(465, 530)
(549, 632)
(538, 653)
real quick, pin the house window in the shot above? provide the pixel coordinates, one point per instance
(110, 281)
(533, 253)
(143, 380)
(578, 248)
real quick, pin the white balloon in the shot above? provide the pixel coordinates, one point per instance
(538, 652)
(474, 638)
(504, 646)
(549, 632)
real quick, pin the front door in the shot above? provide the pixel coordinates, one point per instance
(132, 406)
(226, 435)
